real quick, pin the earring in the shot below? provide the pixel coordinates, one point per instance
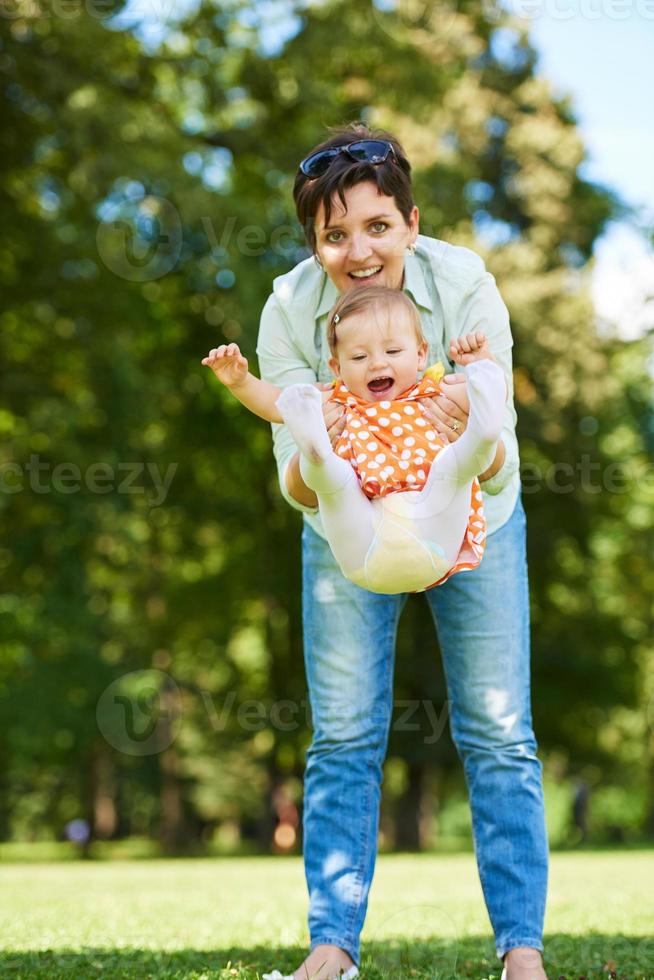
(411, 249)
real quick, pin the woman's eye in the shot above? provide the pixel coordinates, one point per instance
(380, 226)
(332, 236)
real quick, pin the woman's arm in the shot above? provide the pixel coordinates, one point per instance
(457, 393)
(471, 302)
(231, 368)
(296, 486)
(496, 465)
(484, 309)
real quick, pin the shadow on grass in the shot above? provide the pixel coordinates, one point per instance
(138, 849)
(590, 957)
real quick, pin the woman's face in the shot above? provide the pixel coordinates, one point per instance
(366, 241)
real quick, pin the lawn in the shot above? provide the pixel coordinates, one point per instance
(236, 918)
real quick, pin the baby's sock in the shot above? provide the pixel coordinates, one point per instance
(301, 408)
(476, 448)
(486, 378)
(322, 470)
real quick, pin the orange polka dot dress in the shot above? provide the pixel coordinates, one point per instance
(391, 447)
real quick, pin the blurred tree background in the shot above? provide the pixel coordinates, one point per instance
(151, 672)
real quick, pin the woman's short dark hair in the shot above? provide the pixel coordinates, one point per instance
(393, 177)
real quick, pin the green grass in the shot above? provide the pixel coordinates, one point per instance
(235, 918)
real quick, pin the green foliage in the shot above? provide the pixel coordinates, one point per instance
(146, 204)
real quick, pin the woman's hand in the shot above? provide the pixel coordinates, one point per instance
(334, 415)
(448, 410)
(228, 364)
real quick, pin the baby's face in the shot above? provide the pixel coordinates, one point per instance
(378, 355)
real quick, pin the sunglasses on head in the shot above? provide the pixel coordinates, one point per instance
(363, 151)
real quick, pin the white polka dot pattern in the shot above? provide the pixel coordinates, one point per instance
(405, 466)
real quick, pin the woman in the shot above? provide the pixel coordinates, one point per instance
(353, 198)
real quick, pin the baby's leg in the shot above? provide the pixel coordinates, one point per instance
(440, 511)
(475, 450)
(301, 408)
(345, 510)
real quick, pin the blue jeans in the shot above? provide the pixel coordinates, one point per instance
(482, 618)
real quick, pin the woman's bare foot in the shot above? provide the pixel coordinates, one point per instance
(323, 963)
(470, 347)
(523, 963)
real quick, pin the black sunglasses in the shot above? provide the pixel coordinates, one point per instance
(364, 151)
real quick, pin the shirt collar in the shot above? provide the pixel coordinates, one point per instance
(328, 297)
(414, 283)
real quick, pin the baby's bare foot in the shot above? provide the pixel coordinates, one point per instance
(469, 348)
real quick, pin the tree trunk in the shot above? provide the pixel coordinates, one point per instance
(407, 812)
(103, 802)
(172, 811)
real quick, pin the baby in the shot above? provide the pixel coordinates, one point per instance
(401, 507)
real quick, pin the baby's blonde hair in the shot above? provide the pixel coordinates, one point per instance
(364, 299)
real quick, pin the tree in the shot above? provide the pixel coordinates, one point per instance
(146, 197)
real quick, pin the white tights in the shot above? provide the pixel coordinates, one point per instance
(402, 542)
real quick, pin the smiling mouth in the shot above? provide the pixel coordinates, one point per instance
(378, 386)
(363, 275)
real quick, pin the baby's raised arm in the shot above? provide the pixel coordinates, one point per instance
(231, 368)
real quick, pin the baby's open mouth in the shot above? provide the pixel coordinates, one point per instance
(379, 385)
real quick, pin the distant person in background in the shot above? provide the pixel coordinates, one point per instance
(354, 200)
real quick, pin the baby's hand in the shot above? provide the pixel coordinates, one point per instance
(228, 364)
(470, 347)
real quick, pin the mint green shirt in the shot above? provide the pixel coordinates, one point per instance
(454, 295)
